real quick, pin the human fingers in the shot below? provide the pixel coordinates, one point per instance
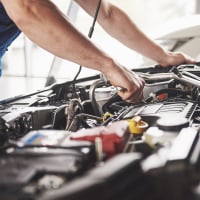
(131, 97)
(139, 79)
(188, 59)
(134, 92)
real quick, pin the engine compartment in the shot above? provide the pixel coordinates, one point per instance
(79, 139)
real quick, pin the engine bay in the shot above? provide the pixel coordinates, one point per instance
(80, 140)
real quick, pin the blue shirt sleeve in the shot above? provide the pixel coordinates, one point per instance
(8, 33)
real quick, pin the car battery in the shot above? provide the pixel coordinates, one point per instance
(57, 139)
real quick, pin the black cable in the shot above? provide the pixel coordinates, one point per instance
(95, 19)
(90, 36)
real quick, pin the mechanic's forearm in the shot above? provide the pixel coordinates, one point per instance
(121, 27)
(43, 23)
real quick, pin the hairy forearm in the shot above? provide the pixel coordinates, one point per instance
(43, 23)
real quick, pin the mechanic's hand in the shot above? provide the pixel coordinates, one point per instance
(129, 83)
(175, 58)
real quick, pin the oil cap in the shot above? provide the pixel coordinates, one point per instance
(172, 123)
(137, 125)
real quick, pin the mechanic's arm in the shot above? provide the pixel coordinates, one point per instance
(118, 24)
(44, 24)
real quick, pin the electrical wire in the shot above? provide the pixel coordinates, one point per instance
(90, 33)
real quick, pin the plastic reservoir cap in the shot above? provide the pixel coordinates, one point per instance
(137, 125)
(172, 123)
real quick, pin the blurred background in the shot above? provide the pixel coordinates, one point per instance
(26, 67)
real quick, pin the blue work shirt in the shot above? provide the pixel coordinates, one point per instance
(8, 32)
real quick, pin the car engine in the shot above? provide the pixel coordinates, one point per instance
(80, 140)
